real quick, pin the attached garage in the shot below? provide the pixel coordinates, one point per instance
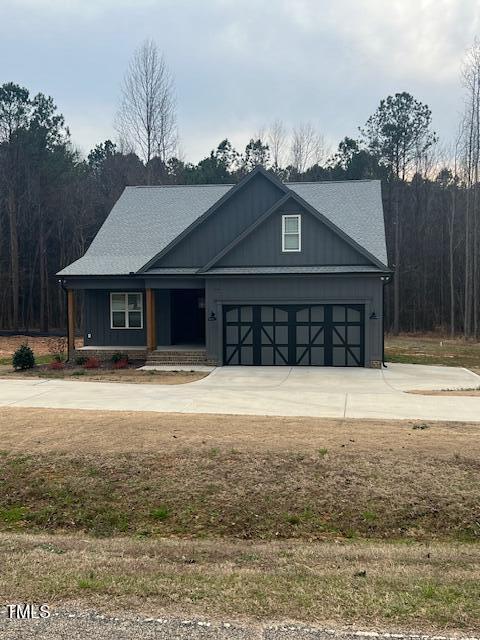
(308, 335)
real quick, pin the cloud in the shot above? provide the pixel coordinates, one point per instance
(240, 65)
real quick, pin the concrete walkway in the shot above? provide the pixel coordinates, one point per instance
(276, 391)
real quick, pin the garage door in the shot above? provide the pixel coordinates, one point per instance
(315, 334)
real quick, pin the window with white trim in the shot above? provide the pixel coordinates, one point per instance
(292, 233)
(126, 311)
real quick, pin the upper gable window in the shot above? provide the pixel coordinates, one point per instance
(292, 233)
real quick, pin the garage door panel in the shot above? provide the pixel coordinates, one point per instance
(232, 315)
(317, 335)
(232, 335)
(339, 357)
(246, 335)
(338, 313)
(353, 315)
(305, 335)
(246, 314)
(317, 355)
(339, 335)
(353, 335)
(317, 314)
(353, 357)
(231, 355)
(266, 314)
(246, 355)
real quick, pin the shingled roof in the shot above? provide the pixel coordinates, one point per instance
(145, 220)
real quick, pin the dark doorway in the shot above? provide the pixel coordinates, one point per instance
(188, 316)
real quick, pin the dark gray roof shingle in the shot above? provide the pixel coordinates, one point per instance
(145, 220)
(354, 206)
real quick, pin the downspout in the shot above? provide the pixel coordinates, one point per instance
(62, 284)
(385, 280)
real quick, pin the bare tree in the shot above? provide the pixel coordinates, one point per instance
(471, 81)
(146, 120)
(277, 139)
(308, 147)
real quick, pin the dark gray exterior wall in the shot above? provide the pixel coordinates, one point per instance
(97, 312)
(320, 245)
(97, 322)
(365, 290)
(224, 225)
(163, 321)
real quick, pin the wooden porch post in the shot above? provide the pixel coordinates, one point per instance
(150, 313)
(71, 323)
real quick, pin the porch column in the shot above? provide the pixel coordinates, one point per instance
(150, 326)
(70, 323)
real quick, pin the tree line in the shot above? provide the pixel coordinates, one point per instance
(53, 200)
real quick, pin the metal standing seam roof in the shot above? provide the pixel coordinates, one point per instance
(145, 220)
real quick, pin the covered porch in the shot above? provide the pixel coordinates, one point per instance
(162, 323)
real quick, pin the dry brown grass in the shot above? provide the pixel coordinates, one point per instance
(31, 430)
(105, 375)
(446, 392)
(249, 477)
(369, 584)
(243, 517)
(432, 349)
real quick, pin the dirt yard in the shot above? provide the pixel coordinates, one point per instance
(41, 346)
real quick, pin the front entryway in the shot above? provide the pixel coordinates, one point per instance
(188, 316)
(315, 334)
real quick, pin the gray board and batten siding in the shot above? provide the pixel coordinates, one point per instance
(228, 240)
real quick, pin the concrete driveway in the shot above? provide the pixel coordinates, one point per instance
(277, 391)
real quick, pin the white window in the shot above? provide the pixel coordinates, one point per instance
(292, 233)
(126, 311)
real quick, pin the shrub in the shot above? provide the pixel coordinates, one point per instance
(92, 363)
(118, 357)
(121, 364)
(81, 360)
(23, 358)
(56, 364)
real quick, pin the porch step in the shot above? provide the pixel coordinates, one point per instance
(180, 357)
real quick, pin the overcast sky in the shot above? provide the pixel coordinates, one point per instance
(239, 64)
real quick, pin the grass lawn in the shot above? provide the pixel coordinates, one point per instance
(111, 473)
(432, 349)
(358, 522)
(424, 587)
